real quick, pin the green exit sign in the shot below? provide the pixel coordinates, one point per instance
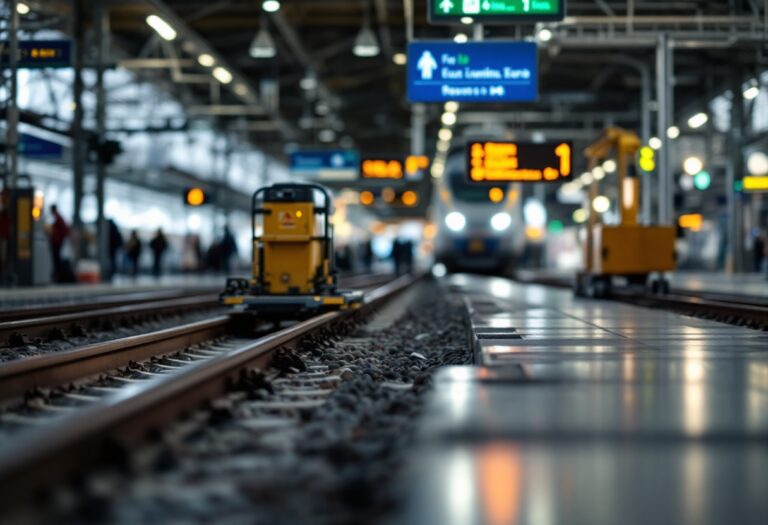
(490, 11)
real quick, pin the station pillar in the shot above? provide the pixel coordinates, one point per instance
(664, 95)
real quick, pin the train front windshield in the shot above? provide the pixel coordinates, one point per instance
(468, 192)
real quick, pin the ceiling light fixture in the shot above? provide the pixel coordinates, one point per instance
(222, 75)
(270, 6)
(544, 35)
(673, 132)
(400, 59)
(262, 46)
(22, 8)
(467, 20)
(445, 134)
(752, 92)
(655, 143)
(451, 106)
(366, 43)
(461, 38)
(449, 119)
(162, 27)
(206, 60)
(698, 120)
(308, 83)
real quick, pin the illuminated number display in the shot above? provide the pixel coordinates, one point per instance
(489, 11)
(39, 54)
(519, 161)
(394, 168)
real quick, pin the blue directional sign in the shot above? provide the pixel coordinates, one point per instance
(34, 147)
(326, 165)
(472, 72)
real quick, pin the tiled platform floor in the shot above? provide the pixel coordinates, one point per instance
(588, 412)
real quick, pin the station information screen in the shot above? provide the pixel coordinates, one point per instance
(411, 167)
(510, 161)
(39, 54)
(490, 11)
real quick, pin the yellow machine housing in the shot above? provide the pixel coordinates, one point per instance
(629, 249)
(294, 270)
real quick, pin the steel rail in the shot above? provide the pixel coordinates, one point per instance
(58, 368)
(94, 303)
(64, 366)
(44, 326)
(118, 422)
(752, 309)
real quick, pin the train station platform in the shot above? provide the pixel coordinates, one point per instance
(581, 411)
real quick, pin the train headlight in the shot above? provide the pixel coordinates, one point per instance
(455, 221)
(501, 221)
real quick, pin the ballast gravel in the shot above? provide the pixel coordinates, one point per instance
(317, 439)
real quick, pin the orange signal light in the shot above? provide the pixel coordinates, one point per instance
(496, 194)
(195, 197)
(410, 198)
(366, 198)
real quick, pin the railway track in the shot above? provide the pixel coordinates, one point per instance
(735, 309)
(125, 416)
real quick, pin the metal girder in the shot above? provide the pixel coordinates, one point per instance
(202, 46)
(232, 110)
(480, 117)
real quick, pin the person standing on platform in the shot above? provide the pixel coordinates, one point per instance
(758, 251)
(158, 245)
(227, 249)
(115, 243)
(59, 234)
(133, 253)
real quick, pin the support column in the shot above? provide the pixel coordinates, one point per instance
(664, 94)
(418, 129)
(78, 137)
(735, 172)
(9, 265)
(101, 19)
(645, 136)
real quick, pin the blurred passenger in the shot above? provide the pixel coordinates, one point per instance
(758, 251)
(227, 249)
(397, 255)
(133, 253)
(59, 234)
(158, 245)
(115, 244)
(406, 255)
(368, 256)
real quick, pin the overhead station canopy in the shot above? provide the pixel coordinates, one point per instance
(490, 11)
(502, 161)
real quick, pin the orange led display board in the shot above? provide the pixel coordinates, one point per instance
(506, 161)
(394, 168)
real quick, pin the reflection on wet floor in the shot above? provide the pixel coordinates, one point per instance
(592, 412)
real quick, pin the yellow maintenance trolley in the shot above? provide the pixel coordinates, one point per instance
(630, 250)
(294, 272)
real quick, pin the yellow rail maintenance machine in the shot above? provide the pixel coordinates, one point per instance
(294, 272)
(629, 250)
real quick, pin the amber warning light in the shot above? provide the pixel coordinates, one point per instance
(519, 161)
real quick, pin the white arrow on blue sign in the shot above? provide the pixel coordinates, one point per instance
(472, 72)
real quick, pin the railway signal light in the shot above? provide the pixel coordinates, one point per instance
(195, 197)
(647, 159)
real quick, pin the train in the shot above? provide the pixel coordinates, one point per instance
(294, 271)
(480, 227)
